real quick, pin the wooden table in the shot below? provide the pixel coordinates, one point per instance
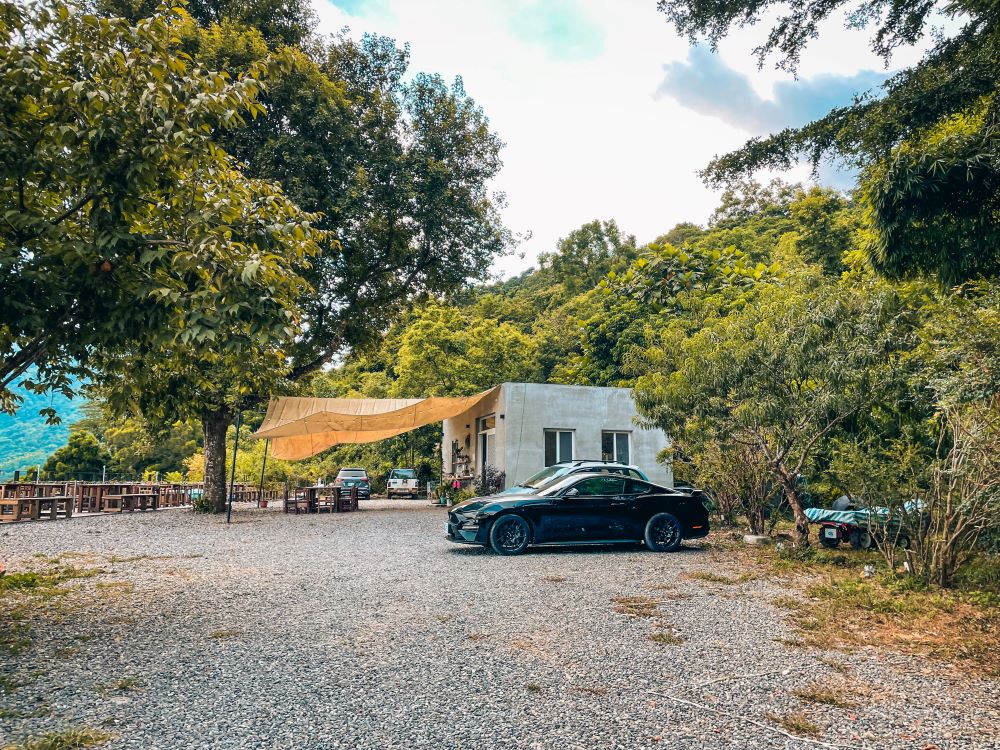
(334, 499)
(130, 501)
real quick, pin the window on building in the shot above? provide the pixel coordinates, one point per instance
(558, 446)
(614, 447)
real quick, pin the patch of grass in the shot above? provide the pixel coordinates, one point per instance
(840, 608)
(41, 710)
(25, 596)
(533, 688)
(222, 634)
(121, 585)
(69, 739)
(823, 694)
(555, 579)
(667, 636)
(842, 611)
(703, 575)
(141, 558)
(796, 723)
(635, 606)
(836, 664)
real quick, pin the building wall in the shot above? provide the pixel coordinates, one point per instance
(463, 427)
(525, 410)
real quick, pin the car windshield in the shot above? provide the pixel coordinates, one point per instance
(546, 476)
(403, 474)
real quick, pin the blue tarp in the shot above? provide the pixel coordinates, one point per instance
(863, 516)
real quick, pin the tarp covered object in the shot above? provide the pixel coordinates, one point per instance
(302, 427)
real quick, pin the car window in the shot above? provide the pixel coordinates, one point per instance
(403, 474)
(596, 486)
(636, 474)
(353, 473)
(632, 487)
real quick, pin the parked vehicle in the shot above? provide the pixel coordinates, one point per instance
(586, 508)
(348, 478)
(551, 474)
(862, 528)
(402, 482)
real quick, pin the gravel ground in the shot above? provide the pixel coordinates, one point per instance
(370, 630)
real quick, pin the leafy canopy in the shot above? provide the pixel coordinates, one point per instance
(926, 143)
(125, 227)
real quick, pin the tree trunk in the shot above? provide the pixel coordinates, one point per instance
(214, 425)
(800, 535)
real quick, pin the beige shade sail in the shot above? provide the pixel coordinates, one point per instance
(302, 427)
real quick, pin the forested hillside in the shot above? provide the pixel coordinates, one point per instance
(597, 310)
(26, 438)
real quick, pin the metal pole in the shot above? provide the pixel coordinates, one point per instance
(260, 489)
(232, 474)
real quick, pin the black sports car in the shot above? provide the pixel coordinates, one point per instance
(582, 509)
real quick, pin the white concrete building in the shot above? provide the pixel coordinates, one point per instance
(528, 426)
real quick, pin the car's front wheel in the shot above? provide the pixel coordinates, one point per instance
(663, 533)
(510, 535)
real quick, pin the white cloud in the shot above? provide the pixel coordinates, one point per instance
(586, 135)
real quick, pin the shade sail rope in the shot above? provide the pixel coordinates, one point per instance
(302, 427)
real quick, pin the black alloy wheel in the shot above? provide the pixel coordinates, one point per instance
(510, 535)
(663, 533)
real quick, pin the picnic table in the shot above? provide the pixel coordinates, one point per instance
(30, 501)
(318, 498)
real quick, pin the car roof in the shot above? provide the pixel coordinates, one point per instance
(354, 468)
(581, 475)
(598, 462)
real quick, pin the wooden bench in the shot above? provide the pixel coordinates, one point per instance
(130, 501)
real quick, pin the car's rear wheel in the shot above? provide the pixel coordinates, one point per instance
(510, 535)
(663, 533)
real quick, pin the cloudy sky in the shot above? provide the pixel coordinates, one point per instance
(606, 112)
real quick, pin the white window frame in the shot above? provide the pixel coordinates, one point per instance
(615, 435)
(558, 432)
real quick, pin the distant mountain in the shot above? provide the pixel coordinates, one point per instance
(25, 439)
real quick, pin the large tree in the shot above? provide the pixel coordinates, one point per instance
(927, 143)
(142, 255)
(116, 198)
(398, 169)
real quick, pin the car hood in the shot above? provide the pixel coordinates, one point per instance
(495, 502)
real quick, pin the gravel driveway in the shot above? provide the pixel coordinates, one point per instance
(370, 630)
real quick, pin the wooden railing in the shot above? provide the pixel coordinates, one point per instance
(33, 501)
